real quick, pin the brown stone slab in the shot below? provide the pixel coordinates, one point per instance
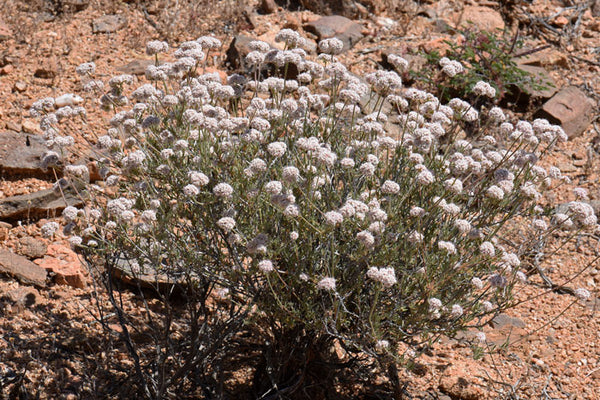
(21, 268)
(570, 108)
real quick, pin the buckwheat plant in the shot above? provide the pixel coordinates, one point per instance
(282, 202)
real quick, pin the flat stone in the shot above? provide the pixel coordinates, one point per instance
(571, 108)
(566, 167)
(30, 126)
(543, 58)
(32, 248)
(41, 204)
(482, 18)
(108, 23)
(64, 266)
(135, 67)
(348, 31)
(21, 268)
(21, 156)
(503, 320)
(541, 77)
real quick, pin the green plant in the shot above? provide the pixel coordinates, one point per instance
(485, 56)
(277, 207)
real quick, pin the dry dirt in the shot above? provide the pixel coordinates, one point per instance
(48, 336)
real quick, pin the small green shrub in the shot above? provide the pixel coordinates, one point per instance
(487, 57)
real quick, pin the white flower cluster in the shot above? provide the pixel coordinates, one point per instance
(451, 67)
(385, 276)
(331, 46)
(305, 185)
(485, 89)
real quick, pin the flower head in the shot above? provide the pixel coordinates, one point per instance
(327, 284)
(223, 190)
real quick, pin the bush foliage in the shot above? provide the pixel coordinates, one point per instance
(278, 207)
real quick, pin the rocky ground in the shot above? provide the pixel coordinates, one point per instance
(548, 347)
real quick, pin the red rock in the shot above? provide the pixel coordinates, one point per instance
(438, 44)
(544, 58)
(561, 21)
(20, 87)
(482, 18)
(571, 108)
(7, 70)
(65, 265)
(30, 126)
(21, 268)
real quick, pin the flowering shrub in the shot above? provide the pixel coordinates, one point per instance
(280, 204)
